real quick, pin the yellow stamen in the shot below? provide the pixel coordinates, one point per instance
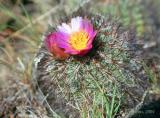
(79, 40)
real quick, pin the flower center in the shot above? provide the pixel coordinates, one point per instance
(78, 40)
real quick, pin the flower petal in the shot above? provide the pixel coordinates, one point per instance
(69, 50)
(51, 44)
(64, 28)
(87, 26)
(91, 38)
(85, 51)
(62, 42)
(76, 24)
(50, 39)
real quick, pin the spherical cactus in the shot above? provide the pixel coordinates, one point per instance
(94, 83)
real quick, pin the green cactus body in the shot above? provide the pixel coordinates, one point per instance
(92, 85)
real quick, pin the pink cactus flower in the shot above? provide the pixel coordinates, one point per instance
(74, 38)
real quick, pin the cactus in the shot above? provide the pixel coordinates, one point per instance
(96, 84)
